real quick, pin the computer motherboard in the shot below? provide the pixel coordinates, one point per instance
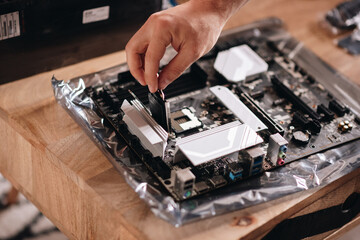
(244, 108)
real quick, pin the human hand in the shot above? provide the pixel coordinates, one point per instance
(191, 28)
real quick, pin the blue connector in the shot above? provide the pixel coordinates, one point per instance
(258, 160)
(283, 148)
(235, 176)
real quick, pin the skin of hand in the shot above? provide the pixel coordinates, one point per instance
(191, 28)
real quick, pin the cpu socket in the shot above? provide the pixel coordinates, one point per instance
(184, 120)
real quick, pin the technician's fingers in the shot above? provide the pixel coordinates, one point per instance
(177, 66)
(135, 51)
(154, 53)
(135, 64)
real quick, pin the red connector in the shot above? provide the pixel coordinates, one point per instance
(280, 161)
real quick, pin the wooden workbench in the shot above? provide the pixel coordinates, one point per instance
(46, 155)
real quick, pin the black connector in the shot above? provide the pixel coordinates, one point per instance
(300, 119)
(357, 119)
(146, 156)
(162, 169)
(314, 126)
(258, 94)
(305, 123)
(328, 114)
(339, 109)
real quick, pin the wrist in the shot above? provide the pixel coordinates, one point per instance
(223, 9)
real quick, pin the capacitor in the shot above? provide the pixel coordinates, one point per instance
(278, 102)
(341, 125)
(291, 129)
(345, 126)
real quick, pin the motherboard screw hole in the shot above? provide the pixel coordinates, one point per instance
(312, 146)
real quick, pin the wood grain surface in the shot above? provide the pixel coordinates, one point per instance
(45, 154)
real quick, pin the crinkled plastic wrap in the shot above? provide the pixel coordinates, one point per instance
(317, 170)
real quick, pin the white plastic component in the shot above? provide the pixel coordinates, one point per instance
(277, 149)
(238, 108)
(137, 121)
(217, 142)
(184, 182)
(149, 119)
(239, 62)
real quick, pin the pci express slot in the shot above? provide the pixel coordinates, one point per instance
(289, 95)
(273, 126)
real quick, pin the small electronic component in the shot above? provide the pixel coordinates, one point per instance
(277, 149)
(239, 62)
(184, 183)
(345, 126)
(258, 94)
(160, 109)
(279, 101)
(184, 120)
(301, 138)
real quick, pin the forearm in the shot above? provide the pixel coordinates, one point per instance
(223, 8)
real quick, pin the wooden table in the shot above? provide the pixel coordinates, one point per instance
(46, 155)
